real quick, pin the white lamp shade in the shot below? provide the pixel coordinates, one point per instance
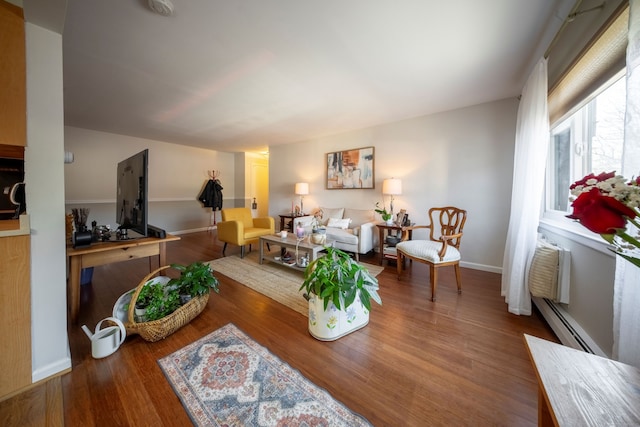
(302, 188)
(392, 186)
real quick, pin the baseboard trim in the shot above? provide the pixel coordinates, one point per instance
(51, 370)
(482, 267)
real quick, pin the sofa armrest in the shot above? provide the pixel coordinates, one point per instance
(231, 232)
(366, 236)
(265, 222)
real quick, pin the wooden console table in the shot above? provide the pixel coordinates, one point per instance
(581, 389)
(102, 253)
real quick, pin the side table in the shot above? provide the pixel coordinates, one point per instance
(384, 228)
(288, 224)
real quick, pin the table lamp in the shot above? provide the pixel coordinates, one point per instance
(302, 189)
(392, 187)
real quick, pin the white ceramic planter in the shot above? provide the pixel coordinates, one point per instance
(332, 324)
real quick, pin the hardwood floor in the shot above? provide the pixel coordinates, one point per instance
(459, 361)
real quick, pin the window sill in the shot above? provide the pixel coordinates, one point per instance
(573, 231)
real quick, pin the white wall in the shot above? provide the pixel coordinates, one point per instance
(177, 175)
(44, 177)
(462, 158)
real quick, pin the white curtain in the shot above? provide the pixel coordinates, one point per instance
(532, 142)
(626, 293)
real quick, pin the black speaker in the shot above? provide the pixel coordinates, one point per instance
(82, 238)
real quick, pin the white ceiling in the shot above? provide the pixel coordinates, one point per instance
(240, 75)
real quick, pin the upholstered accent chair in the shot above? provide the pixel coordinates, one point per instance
(443, 247)
(238, 227)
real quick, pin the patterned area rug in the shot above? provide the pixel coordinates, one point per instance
(227, 379)
(278, 282)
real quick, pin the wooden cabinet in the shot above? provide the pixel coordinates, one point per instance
(15, 314)
(13, 93)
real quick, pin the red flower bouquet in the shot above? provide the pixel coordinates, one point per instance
(608, 205)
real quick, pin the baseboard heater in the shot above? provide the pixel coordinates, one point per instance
(566, 328)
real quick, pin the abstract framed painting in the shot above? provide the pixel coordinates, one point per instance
(351, 169)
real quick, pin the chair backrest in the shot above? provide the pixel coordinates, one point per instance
(238, 214)
(447, 221)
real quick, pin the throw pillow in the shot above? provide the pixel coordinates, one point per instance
(339, 223)
(328, 213)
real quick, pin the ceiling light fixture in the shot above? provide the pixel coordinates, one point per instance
(162, 7)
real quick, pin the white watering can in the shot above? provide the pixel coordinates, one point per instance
(106, 341)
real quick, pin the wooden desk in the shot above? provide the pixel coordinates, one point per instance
(102, 253)
(406, 233)
(581, 389)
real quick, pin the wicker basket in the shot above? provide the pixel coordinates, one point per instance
(156, 330)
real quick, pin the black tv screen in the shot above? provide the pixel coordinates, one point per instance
(131, 195)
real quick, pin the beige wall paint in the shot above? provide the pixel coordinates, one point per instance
(462, 158)
(176, 172)
(177, 175)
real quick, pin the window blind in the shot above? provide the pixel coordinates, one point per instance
(601, 60)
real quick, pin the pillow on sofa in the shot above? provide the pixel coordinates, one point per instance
(328, 213)
(339, 223)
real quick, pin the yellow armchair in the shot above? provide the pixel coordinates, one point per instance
(240, 228)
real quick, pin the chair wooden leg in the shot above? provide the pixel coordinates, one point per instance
(242, 251)
(224, 248)
(458, 279)
(433, 276)
(357, 257)
(399, 264)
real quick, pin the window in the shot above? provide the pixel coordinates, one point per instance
(590, 140)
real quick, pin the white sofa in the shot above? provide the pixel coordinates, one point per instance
(351, 230)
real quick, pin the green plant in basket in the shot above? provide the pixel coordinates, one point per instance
(158, 299)
(195, 279)
(336, 277)
(161, 298)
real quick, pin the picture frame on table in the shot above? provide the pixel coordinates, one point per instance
(401, 217)
(350, 169)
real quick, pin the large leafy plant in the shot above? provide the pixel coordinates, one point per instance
(336, 277)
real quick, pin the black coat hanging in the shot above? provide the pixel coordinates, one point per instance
(211, 196)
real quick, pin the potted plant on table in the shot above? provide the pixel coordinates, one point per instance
(386, 216)
(339, 291)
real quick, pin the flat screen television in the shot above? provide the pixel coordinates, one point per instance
(131, 194)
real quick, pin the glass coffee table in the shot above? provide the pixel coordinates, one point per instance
(304, 248)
